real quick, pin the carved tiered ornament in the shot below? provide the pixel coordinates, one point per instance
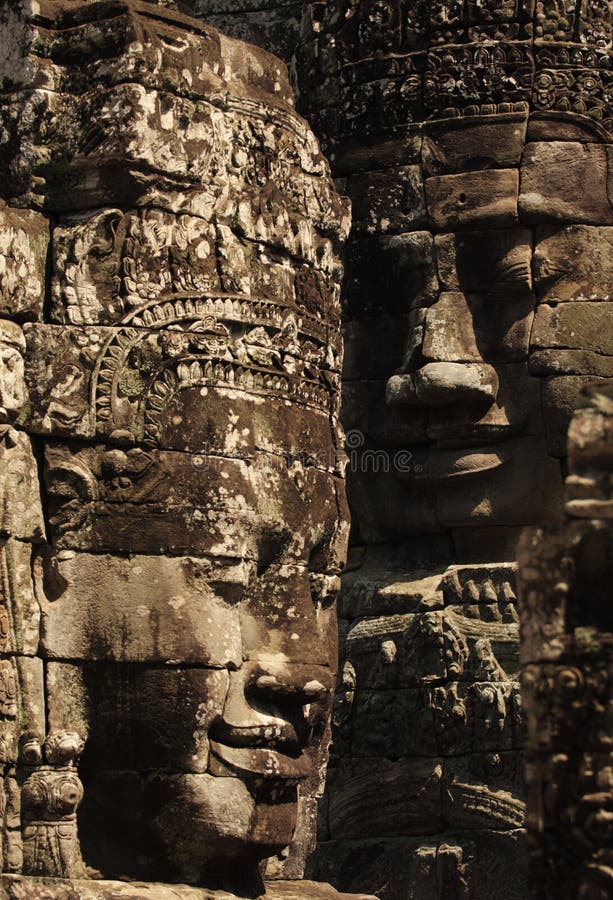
(51, 792)
(170, 355)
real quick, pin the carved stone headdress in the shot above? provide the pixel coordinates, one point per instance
(209, 262)
(389, 65)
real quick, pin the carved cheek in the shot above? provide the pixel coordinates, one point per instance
(279, 616)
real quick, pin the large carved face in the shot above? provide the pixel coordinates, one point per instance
(183, 382)
(188, 602)
(508, 303)
(201, 678)
(188, 618)
(475, 146)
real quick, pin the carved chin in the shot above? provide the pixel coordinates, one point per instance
(205, 820)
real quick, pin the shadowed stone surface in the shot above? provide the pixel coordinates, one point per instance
(474, 140)
(18, 888)
(567, 669)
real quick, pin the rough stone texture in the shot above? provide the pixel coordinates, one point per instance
(574, 326)
(23, 254)
(564, 181)
(272, 24)
(474, 141)
(169, 382)
(477, 862)
(473, 199)
(19, 888)
(468, 341)
(567, 669)
(573, 263)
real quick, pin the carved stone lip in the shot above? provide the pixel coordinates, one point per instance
(261, 762)
(278, 735)
(462, 462)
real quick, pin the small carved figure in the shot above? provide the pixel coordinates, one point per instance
(21, 526)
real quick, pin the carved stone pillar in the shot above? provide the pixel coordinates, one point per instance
(567, 671)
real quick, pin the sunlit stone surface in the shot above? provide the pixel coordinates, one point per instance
(172, 504)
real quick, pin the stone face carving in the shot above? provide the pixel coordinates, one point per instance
(566, 669)
(176, 363)
(474, 140)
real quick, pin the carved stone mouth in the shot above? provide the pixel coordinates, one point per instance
(258, 762)
(460, 461)
(463, 462)
(278, 735)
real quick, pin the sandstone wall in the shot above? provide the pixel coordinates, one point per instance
(474, 140)
(566, 670)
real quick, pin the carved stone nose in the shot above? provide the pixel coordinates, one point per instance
(258, 693)
(443, 383)
(303, 691)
